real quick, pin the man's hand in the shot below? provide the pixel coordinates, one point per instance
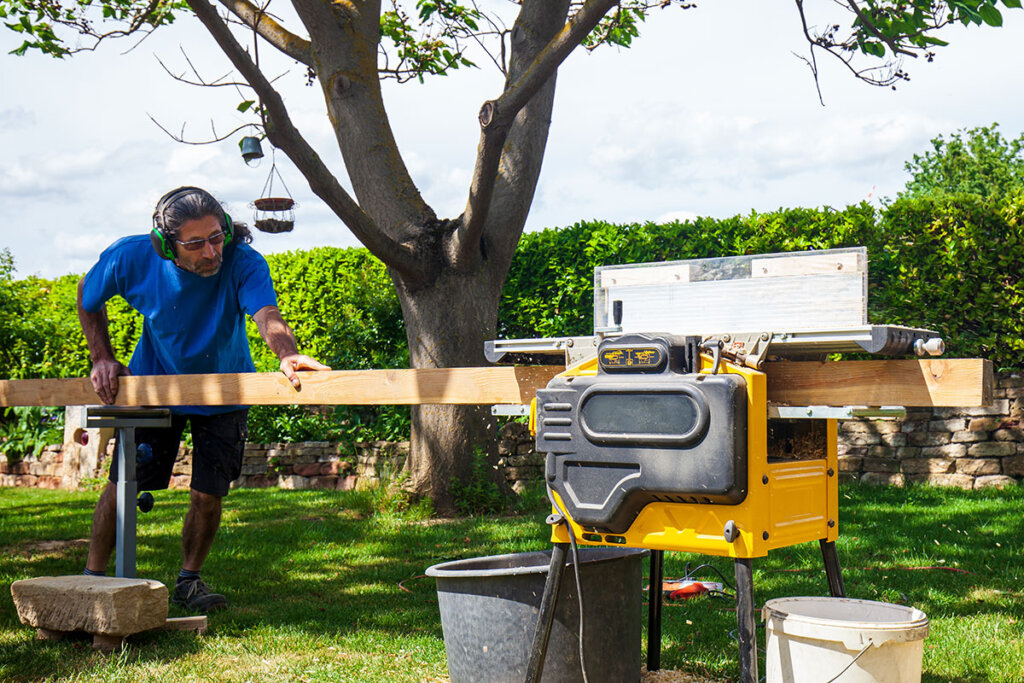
(289, 364)
(104, 378)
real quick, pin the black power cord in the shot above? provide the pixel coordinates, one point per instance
(564, 519)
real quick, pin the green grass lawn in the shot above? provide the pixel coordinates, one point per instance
(323, 589)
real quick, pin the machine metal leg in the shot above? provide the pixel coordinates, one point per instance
(746, 633)
(127, 493)
(657, 572)
(832, 569)
(546, 616)
(125, 420)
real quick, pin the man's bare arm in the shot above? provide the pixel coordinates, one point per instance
(281, 340)
(105, 367)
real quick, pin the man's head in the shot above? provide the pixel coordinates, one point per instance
(191, 228)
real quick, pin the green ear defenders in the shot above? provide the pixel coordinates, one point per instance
(162, 243)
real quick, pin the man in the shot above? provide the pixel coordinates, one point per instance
(193, 278)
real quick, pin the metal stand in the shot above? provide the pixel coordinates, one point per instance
(546, 615)
(832, 569)
(125, 420)
(745, 626)
(654, 596)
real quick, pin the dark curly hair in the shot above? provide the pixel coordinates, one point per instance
(192, 205)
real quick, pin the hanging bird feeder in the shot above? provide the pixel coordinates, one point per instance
(272, 213)
(252, 151)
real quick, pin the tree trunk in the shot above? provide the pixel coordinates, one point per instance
(446, 326)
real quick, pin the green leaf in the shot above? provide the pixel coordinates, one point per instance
(1015, 4)
(244, 106)
(990, 15)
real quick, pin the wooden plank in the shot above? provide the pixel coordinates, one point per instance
(647, 275)
(811, 264)
(952, 382)
(465, 386)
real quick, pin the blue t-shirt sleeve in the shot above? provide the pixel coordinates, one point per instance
(255, 288)
(102, 282)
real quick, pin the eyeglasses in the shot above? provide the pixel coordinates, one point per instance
(195, 245)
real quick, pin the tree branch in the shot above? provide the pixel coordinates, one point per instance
(873, 30)
(287, 42)
(282, 134)
(496, 118)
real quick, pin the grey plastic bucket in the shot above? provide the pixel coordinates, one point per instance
(489, 609)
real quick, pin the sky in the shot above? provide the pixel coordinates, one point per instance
(710, 113)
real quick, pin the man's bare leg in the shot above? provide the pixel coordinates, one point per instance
(104, 530)
(201, 524)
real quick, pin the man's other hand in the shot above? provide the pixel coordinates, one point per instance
(104, 378)
(289, 364)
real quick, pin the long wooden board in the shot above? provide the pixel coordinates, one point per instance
(958, 382)
(953, 382)
(467, 386)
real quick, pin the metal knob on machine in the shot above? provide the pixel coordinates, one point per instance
(145, 501)
(929, 347)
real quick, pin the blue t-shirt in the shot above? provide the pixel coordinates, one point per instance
(192, 324)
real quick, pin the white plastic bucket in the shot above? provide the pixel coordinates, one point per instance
(817, 640)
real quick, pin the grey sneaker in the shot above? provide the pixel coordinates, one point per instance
(196, 596)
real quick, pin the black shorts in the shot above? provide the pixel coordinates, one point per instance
(218, 443)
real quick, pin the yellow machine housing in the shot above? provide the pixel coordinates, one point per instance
(788, 501)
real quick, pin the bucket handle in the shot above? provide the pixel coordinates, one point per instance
(852, 661)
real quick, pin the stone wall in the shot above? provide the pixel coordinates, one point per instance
(962, 447)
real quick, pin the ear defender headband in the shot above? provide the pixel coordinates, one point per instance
(164, 244)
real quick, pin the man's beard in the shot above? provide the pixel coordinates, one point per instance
(205, 267)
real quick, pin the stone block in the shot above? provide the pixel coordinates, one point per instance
(968, 436)
(1015, 392)
(978, 466)
(94, 604)
(1014, 465)
(323, 483)
(1008, 435)
(848, 463)
(347, 483)
(292, 482)
(908, 452)
(883, 479)
(995, 481)
(983, 424)
(862, 439)
(48, 482)
(261, 481)
(1009, 381)
(908, 426)
(951, 450)
(881, 465)
(928, 438)
(952, 425)
(1000, 406)
(525, 448)
(927, 465)
(307, 470)
(960, 481)
(992, 449)
(896, 439)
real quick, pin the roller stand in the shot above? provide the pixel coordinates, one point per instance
(125, 421)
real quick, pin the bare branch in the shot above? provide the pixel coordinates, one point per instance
(216, 138)
(496, 118)
(287, 42)
(282, 134)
